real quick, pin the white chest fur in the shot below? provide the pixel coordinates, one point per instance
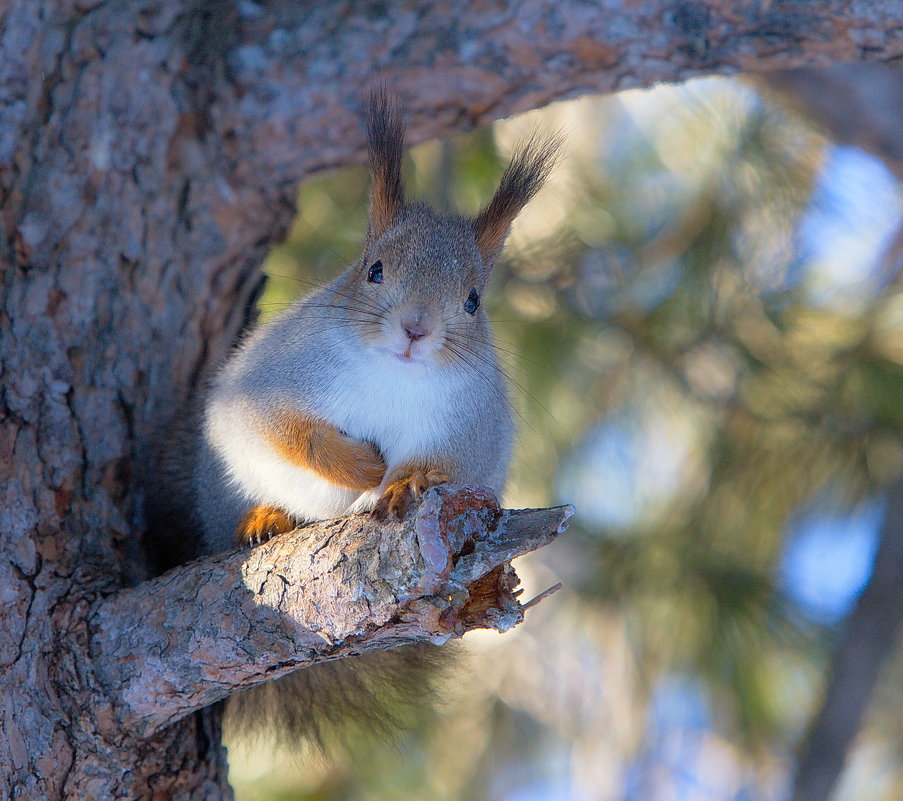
(405, 409)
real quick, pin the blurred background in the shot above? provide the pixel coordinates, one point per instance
(702, 322)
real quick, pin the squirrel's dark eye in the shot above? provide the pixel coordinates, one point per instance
(472, 303)
(375, 273)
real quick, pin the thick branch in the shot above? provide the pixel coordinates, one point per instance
(296, 89)
(329, 590)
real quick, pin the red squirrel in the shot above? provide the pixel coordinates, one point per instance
(358, 398)
(383, 383)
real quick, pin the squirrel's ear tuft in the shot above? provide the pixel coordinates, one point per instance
(385, 143)
(532, 163)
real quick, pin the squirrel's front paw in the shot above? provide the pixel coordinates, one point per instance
(262, 522)
(399, 494)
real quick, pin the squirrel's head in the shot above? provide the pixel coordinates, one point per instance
(420, 282)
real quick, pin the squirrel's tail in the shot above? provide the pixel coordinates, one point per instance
(338, 704)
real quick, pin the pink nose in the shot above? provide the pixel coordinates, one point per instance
(415, 331)
(416, 324)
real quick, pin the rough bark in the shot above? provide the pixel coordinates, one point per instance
(326, 591)
(149, 155)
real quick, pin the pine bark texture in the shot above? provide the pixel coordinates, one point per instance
(150, 152)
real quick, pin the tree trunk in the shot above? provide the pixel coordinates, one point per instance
(870, 636)
(149, 156)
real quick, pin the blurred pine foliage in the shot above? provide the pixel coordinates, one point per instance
(704, 334)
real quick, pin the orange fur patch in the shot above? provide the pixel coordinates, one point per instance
(262, 522)
(385, 203)
(492, 228)
(320, 447)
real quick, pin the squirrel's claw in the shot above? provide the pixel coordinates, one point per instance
(399, 494)
(261, 523)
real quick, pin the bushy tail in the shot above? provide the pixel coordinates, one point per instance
(343, 703)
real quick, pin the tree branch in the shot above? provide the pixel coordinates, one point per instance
(328, 590)
(871, 634)
(294, 92)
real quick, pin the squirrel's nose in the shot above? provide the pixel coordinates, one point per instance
(415, 331)
(416, 324)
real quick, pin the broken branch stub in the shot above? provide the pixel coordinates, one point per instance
(328, 590)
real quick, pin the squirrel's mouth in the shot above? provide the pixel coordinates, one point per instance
(418, 352)
(404, 355)
(414, 356)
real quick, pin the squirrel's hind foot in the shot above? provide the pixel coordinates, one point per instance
(260, 523)
(399, 494)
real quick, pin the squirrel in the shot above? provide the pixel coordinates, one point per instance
(364, 394)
